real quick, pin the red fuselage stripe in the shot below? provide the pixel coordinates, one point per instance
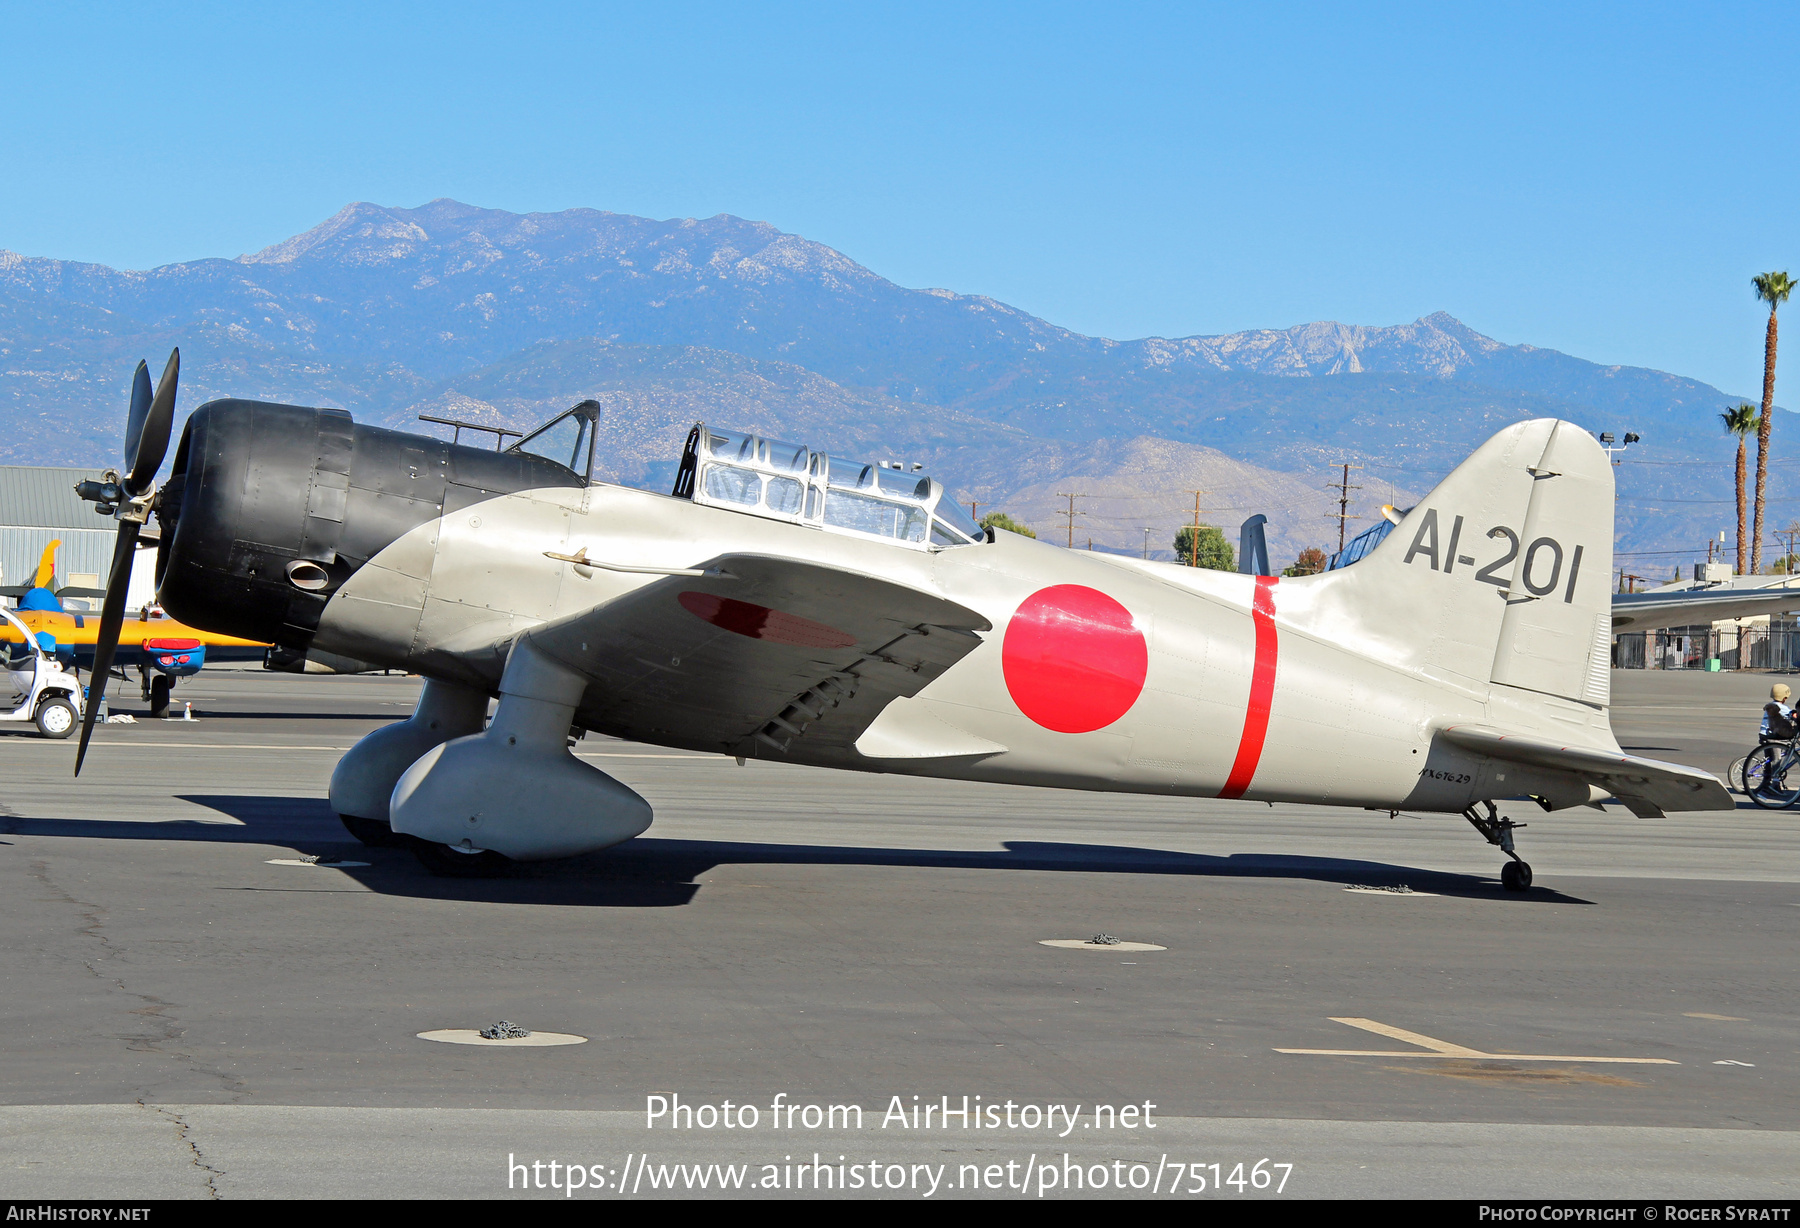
(1262, 691)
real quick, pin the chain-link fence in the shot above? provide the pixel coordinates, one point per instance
(1776, 646)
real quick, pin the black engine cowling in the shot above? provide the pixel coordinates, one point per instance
(270, 508)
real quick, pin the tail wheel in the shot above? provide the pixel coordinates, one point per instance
(56, 718)
(1515, 876)
(1770, 779)
(159, 695)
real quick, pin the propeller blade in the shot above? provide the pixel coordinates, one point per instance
(106, 641)
(141, 397)
(147, 432)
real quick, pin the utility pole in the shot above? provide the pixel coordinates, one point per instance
(1343, 516)
(974, 511)
(1146, 543)
(1071, 512)
(1194, 541)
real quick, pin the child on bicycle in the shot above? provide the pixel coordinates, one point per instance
(1778, 722)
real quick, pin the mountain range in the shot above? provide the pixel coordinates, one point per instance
(498, 317)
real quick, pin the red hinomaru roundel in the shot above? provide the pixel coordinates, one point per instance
(1074, 659)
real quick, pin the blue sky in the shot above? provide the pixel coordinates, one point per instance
(1600, 179)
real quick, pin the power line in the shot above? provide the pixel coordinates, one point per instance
(1632, 554)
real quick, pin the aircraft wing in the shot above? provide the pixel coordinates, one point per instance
(770, 650)
(1648, 611)
(1648, 787)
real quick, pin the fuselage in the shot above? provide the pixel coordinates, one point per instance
(77, 632)
(1100, 672)
(300, 527)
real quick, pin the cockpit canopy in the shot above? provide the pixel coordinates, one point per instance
(1364, 543)
(787, 481)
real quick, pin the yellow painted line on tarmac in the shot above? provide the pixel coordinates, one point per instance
(1411, 1038)
(1443, 1048)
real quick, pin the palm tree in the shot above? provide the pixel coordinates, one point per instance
(1773, 289)
(1740, 420)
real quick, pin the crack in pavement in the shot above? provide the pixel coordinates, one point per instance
(185, 1134)
(154, 1008)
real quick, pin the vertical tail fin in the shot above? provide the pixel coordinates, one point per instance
(46, 568)
(1501, 576)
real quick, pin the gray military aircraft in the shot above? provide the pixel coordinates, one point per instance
(1689, 607)
(782, 603)
(1675, 606)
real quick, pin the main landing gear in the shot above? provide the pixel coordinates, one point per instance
(155, 690)
(1515, 875)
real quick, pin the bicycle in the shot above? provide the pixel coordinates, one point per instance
(1734, 775)
(1770, 775)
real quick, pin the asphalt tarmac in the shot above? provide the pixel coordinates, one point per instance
(187, 1016)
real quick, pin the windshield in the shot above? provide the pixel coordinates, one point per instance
(951, 512)
(1360, 546)
(567, 440)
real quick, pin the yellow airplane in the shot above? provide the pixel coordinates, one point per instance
(167, 649)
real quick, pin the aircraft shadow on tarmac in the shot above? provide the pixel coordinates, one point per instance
(649, 872)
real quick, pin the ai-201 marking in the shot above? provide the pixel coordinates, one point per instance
(1425, 542)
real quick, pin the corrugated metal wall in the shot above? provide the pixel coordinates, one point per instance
(42, 498)
(37, 506)
(83, 550)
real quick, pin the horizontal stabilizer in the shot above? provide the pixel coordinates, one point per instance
(1648, 787)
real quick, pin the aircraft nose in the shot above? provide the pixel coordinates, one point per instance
(269, 509)
(255, 488)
